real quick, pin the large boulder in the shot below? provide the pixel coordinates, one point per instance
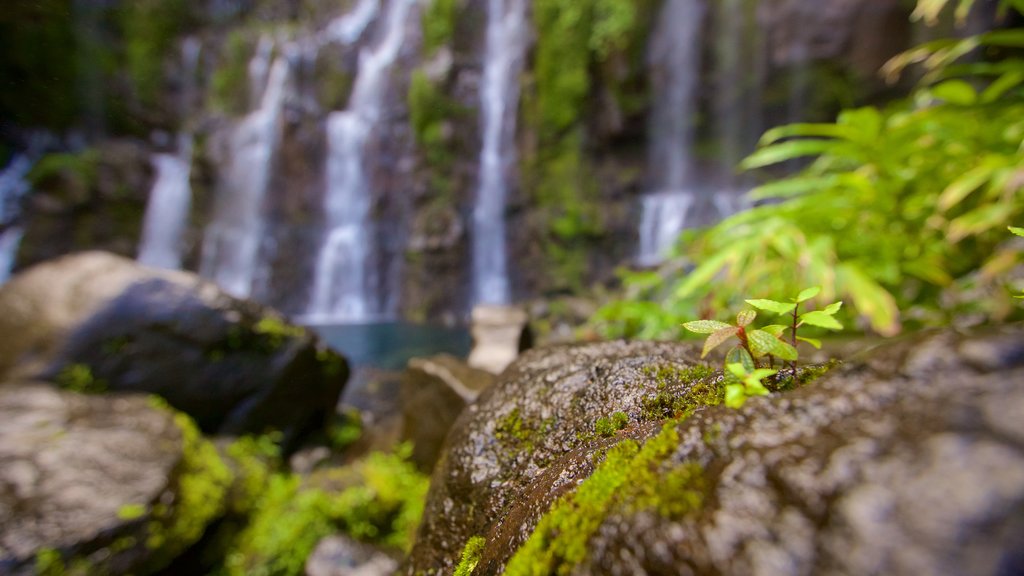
(97, 322)
(100, 485)
(908, 459)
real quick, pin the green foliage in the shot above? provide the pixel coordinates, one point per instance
(202, 480)
(345, 429)
(49, 562)
(379, 499)
(900, 212)
(150, 28)
(228, 87)
(431, 113)
(253, 460)
(471, 556)
(572, 37)
(630, 477)
(79, 378)
(746, 383)
(131, 511)
(438, 24)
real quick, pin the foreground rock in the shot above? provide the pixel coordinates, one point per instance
(908, 460)
(434, 392)
(113, 486)
(100, 323)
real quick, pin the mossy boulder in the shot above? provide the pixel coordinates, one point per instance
(99, 323)
(907, 459)
(99, 485)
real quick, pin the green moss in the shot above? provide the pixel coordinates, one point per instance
(379, 499)
(202, 481)
(49, 562)
(276, 331)
(470, 556)
(431, 113)
(131, 511)
(609, 426)
(438, 24)
(150, 28)
(701, 384)
(345, 429)
(228, 83)
(629, 477)
(253, 459)
(79, 378)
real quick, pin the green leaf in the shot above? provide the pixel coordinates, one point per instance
(735, 395)
(832, 308)
(736, 369)
(808, 294)
(745, 317)
(1001, 86)
(1017, 231)
(870, 299)
(776, 330)
(717, 338)
(705, 326)
(979, 220)
(965, 185)
(738, 355)
(762, 343)
(820, 319)
(811, 341)
(772, 306)
(789, 150)
(839, 131)
(957, 92)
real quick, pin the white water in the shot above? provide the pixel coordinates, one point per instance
(674, 62)
(664, 217)
(232, 242)
(347, 28)
(12, 188)
(499, 99)
(167, 210)
(163, 226)
(346, 284)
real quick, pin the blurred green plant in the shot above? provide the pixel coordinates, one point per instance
(900, 211)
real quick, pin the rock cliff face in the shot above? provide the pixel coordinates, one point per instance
(906, 459)
(263, 141)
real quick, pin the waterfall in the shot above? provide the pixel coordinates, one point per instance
(674, 61)
(163, 226)
(346, 285)
(232, 241)
(12, 188)
(167, 210)
(503, 63)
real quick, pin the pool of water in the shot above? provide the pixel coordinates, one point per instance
(390, 345)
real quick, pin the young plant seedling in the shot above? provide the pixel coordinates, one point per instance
(756, 343)
(744, 383)
(820, 318)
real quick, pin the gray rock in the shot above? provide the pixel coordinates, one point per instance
(342, 556)
(98, 481)
(232, 365)
(434, 392)
(500, 333)
(910, 463)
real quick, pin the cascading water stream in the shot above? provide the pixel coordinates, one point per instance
(12, 188)
(167, 211)
(499, 96)
(674, 62)
(346, 283)
(232, 242)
